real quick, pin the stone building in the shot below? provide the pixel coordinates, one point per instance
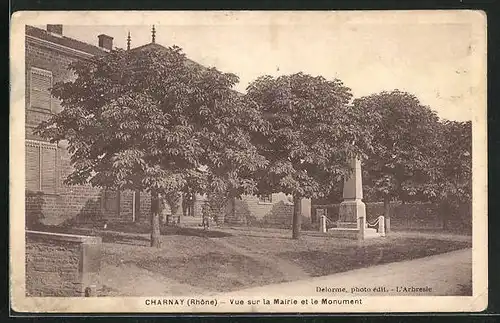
(271, 210)
(48, 200)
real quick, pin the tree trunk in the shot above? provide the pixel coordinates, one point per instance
(155, 220)
(297, 217)
(161, 210)
(387, 214)
(444, 216)
(185, 204)
(137, 197)
(233, 208)
(221, 216)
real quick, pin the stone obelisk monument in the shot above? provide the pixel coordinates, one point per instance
(352, 211)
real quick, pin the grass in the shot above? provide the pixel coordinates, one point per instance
(214, 271)
(227, 259)
(319, 255)
(335, 260)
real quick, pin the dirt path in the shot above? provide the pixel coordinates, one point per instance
(289, 270)
(444, 274)
(130, 280)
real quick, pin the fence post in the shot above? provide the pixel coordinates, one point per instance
(381, 226)
(322, 224)
(361, 227)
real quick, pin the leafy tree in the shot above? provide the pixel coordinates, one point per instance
(312, 132)
(149, 119)
(452, 185)
(404, 147)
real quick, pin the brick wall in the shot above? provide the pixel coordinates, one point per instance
(61, 265)
(67, 204)
(50, 60)
(145, 207)
(250, 211)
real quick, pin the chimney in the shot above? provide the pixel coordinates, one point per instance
(55, 29)
(105, 42)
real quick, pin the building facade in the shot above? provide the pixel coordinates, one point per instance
(48, 200)
(270, 210)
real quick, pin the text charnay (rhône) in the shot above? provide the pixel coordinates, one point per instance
(291, 301)
(264, 301)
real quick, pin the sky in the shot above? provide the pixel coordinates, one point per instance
(437, 62)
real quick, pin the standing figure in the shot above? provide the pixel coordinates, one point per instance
(205, 213)
(187, 204)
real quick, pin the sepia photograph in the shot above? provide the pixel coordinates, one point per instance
(248, 161)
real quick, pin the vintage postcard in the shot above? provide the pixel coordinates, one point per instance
(246, 161)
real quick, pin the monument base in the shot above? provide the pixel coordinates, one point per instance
(350, 211)
(352, 222)
(354, 233)
(347, 225)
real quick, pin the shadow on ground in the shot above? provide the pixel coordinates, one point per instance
(321, 263)
(131, 234)
(167, 230)
(215, 271)
(130, 238)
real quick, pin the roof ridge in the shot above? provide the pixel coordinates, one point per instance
(63, 40)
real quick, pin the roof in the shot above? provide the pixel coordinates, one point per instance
(94, 50)
(64, 41)
(158, 47)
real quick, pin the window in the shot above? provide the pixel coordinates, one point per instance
(266, 198)
(40, 84)
(111, 201)
(41, 167)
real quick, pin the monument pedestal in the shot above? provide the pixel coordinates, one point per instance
(349, 213)
(352, 221)
(352, 211)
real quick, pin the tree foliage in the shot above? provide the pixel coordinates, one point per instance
(173, 199)
(452, 183)
(405, 137)
(150, 119)
(455, 162)
(312, 131)
(416, 156)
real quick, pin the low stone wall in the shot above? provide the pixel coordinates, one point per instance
(62, 265)
(408, 216)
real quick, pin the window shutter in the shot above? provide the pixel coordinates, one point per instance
(41, 167)
(48, 169)
(41, 82)
(32, 167)
(110, 200)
